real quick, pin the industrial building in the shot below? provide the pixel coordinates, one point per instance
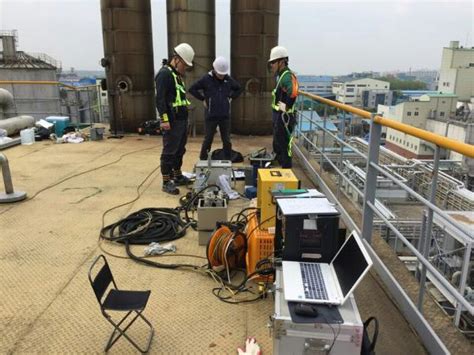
(365, 92)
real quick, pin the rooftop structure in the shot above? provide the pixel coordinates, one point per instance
(456, 74)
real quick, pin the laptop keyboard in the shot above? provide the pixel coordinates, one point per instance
(314, 287)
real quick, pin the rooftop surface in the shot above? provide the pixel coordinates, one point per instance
(49, 241)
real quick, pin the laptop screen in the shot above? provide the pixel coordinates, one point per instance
(349, 264)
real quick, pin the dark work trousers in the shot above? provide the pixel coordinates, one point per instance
(224, 128)
(174, 146)
(281, 138)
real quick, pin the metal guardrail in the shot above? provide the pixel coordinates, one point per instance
(95, 89)
(373, 170)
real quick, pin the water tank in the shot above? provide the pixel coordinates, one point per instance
(193, 22)
(128, 62)
(254, 32)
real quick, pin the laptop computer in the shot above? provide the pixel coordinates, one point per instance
(324, 283)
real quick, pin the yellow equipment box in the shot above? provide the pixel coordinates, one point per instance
(270, 180)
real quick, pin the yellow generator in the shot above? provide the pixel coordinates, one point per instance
(272, 180)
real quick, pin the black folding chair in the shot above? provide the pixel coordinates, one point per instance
(132, 302)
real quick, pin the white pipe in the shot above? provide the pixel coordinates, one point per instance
(14, 125)
(6, 100)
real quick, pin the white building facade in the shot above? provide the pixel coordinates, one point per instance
(352, 92)
(457, 72)
(417, 114)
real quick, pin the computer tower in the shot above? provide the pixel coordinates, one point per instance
(307, 229)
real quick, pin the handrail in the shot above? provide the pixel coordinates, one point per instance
(32, 82)
(444, 142)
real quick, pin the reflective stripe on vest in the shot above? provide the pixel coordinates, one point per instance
(180, 90)
(274, 103)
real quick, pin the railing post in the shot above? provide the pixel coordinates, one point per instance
(323, 150)
(343, 136)
(421, 243)
(462, 283)
(371, 179)
(429, 226)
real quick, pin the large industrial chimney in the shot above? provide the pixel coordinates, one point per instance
(193, 22)
(254, 32)
(128, 62)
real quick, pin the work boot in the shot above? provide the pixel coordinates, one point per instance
(170, 188)
(181, 180)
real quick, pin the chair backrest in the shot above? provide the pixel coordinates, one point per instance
(100, 283)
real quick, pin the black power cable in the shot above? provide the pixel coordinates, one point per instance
(145, 226)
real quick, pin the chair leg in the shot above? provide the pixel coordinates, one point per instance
(113, 339)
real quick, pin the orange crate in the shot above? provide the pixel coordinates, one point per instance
(260, 245)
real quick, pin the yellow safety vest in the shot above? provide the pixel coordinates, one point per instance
(274, 103)
(180, 90)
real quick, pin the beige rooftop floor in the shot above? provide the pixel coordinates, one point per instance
(47, 244)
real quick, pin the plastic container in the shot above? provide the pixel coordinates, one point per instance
(60, 123)
(27, 136)
(260, 245)
(97, 133)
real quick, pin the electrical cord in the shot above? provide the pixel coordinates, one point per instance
(76, 175)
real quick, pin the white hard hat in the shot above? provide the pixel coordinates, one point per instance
(186, 53)
(221, 66)
(278, 52)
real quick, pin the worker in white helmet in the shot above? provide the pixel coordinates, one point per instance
(283, 100)
(172, 106)
(216, 90)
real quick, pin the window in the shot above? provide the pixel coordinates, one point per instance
(349, 95)
(350, 90)
(416, 147)
(350, 85)
(441, 114)
(361, 85)
(416, 113)
(409, 113)
(385, 86)
(104, 94)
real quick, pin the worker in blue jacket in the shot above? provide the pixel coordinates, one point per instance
(216, 90)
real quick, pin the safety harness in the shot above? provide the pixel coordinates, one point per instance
(284, 117)
(274, 103)
(180, 90)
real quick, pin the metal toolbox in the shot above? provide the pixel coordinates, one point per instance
(292, 338)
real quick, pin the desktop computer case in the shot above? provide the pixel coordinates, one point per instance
(297, 338)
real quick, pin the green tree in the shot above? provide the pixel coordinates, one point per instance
(397, 84)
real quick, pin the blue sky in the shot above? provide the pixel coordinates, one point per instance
(323, 37)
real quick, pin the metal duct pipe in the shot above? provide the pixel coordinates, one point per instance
(14, 125)
(6, 101)
(128, 62)
(10, 195)
(254, 32)
(193, 22)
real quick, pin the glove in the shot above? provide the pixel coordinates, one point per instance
(204, 103)
(251, 348)
(164, 123)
